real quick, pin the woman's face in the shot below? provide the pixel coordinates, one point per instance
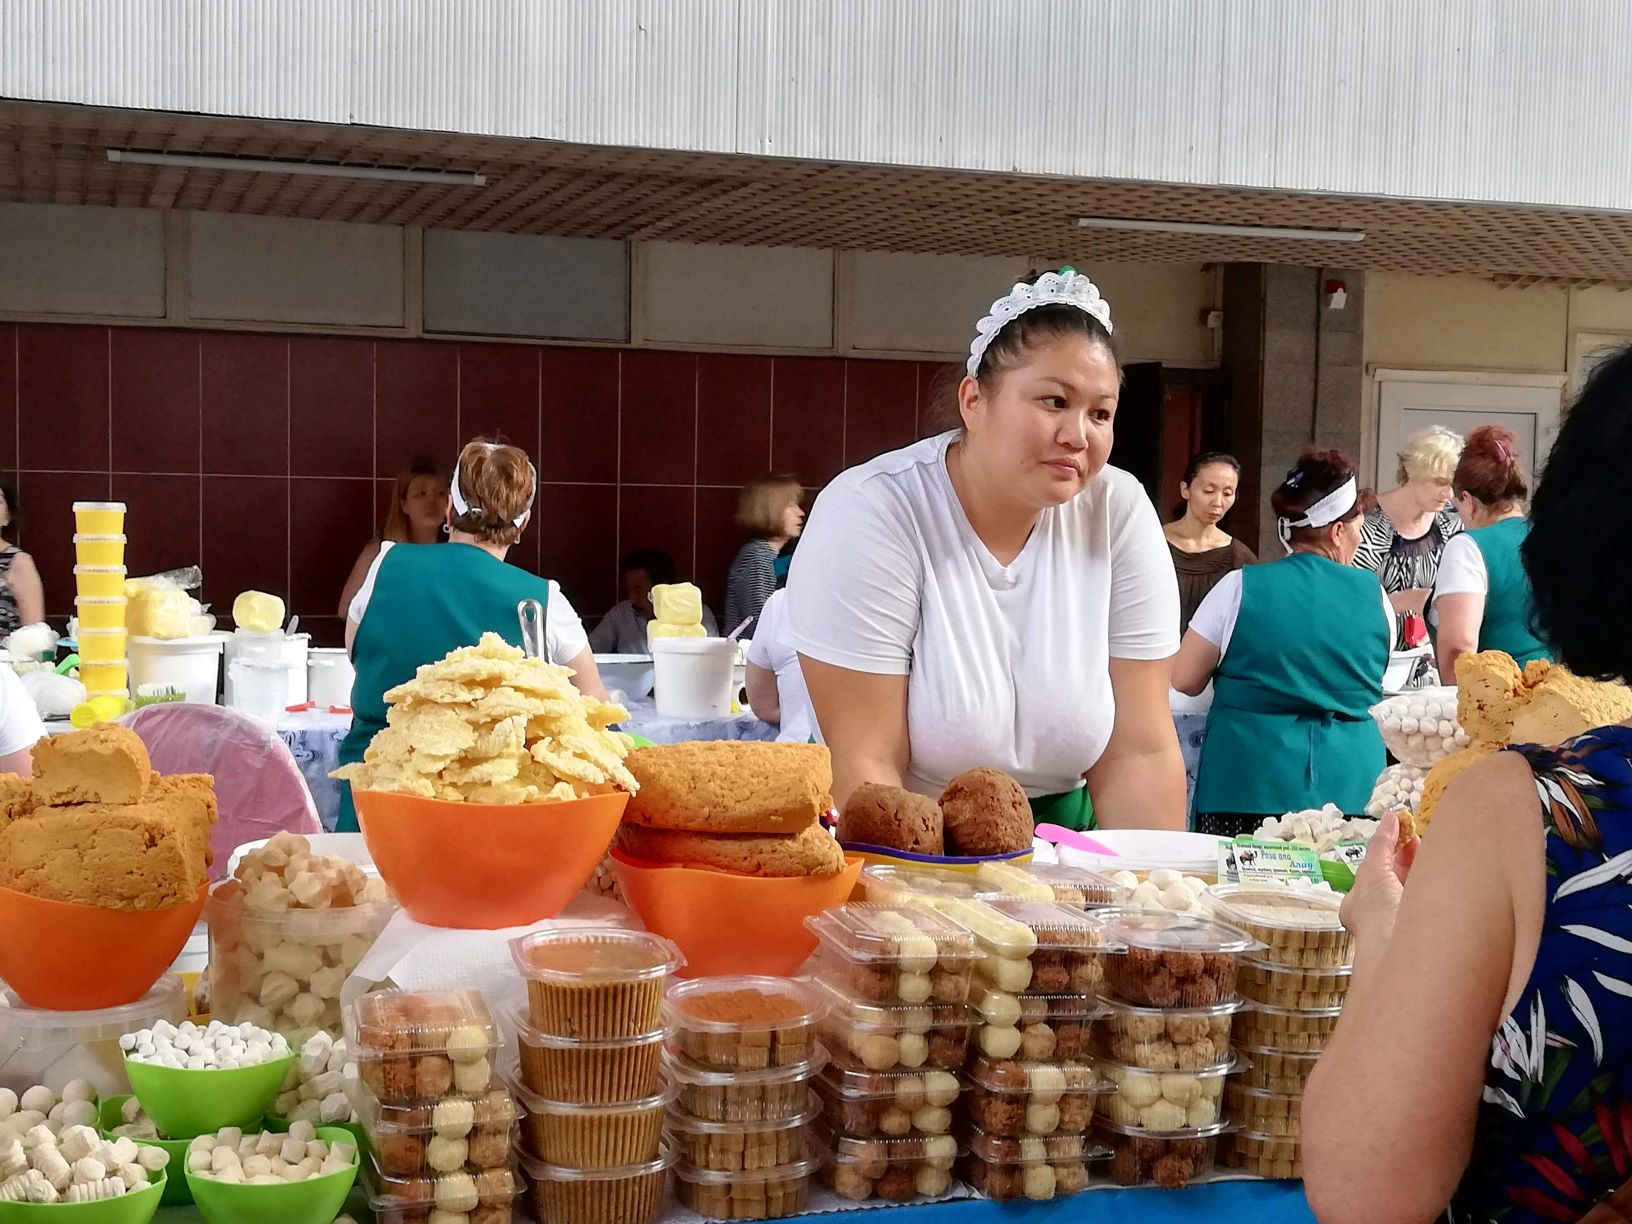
(1429, 494)
(1211, 494)
(426, 502)
(1045, 429)
(1348, 540)
(5, 510)
(793, 521)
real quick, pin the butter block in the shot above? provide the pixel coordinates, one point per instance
(678, 603)
(657, 629)
(258, 612)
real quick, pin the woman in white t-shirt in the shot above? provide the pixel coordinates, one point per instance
(776, 684)
(997, 595)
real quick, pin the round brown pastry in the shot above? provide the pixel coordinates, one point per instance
(495, 1186)
(1038, 1043)
(400, 1154)
(1182, 1029)
(433, 1075)
(850, 1183)
(870, 1160)
(495, 1109)
(498, 1213)
(897, 819)
(489, 1146)
(899, 1184)
(1032, 1009)
(947, 986)
(1070, 1176)
(947, 1047)
(986, 812)
(1070, 1039)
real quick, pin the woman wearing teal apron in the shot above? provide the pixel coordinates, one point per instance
(420, 601)
(998, 595)
(1482, 598)
(1296, 651)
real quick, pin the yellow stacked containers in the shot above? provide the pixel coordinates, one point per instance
(99, 581)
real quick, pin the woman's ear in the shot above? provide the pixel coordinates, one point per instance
(969, 401)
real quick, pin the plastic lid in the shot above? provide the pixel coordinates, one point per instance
(395, 1194)
(678, 1120)
(91, 633)
(526, 1032)
(539, 1106)
(871, 1017)
(1001, 1007)
(540, 1171)
(119, 506)
(897, 934)
(1011, 1077)
(846, 1149)
(100, 569)
(858, 1084)
(681, 1070)
(742, 1005)
(1077, 887)
(897, 885)
(440, 1021)
(579, 954)
(493, 1108)
(1057, 927)
(1189, 1132)
(1279, 910)
(22, 1026)
(1115, 1072)
(1301, 1013)
(1321, 974)
(1164, 931)
(1264, 1051)
(99, 601)
(753, 1177)
(1262, 1094)
(98, 539)
(1032, 1149)
(1114, 1008)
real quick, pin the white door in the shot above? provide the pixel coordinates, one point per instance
(1412, 400)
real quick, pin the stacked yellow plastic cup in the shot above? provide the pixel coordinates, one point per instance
(99, 580)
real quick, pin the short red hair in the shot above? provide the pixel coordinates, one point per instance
(1489, 468)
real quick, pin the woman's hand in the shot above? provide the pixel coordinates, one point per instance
(1379, 883)
(1412, 601)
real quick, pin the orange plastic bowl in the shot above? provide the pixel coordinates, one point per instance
(483, 866)
(726, 923)
(71, 957)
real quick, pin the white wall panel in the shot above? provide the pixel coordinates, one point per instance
(82, 261)
(744, 297)
(521, 285)
(276, 269)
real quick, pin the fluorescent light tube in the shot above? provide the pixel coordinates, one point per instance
(1207, 229)
(261, 165)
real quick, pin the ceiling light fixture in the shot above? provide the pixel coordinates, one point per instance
(261, 165)
(1208, 230)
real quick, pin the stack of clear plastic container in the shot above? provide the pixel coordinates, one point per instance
(438, 1124)
(589, 1077)
(742, 1053)
(1294, 985)
(1166, 1044)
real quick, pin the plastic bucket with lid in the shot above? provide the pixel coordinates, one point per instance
(694, 676)
(99, 549)
(102, 581)
(99, 518)
(260, 688)
(37, 1045)
(190, 665)
(101, 612)
(329, 676)
(101, 645)
(278, 647)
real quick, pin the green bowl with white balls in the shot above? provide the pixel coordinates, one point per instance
(185, 1103)
(134, 1207)
(317, 1200)
(111, 1116)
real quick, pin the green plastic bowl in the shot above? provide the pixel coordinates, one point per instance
(176, 1193)
(137, 1207)
(186, 1104)
(280, 1126)
(316, 1201)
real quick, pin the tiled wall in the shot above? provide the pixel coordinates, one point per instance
(268, 459)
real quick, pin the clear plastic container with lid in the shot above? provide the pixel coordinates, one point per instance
(1277, 1070)
(1172, 960)
(52, 1047)
(630, 1195)
(1033, 947)
(1164, 1101)
(883, 884)
(588, 1072)
(740, 1147)
(1011, 1098)
(1294, 989)
(744, 1023)
(1172, 1161)
(596, 1136)
(1284, 1028)
(1077, 887)
(760, 1194)
(1166, 1039)
(423, 1046)
(1004, 1168)
(595, 982)
(1034, 1027)
(1269, 1113)
(896, 1170)
(865, 1104)
(893, 953)
(742, 1096)
(1296, 929)
(430, 1139)
(1266, 1155)
(891, 1038)
(485, 1197)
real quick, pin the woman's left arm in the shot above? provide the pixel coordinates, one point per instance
(1138, 782)
(1194, 665)
(1459, 619)
(586, 677)
(24, 580)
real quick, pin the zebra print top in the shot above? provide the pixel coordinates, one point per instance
(1401, 564)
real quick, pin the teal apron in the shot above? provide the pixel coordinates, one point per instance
(1289, 728)
(1509, 611)
(428, 599)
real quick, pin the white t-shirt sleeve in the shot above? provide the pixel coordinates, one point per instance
(1144, 613)
(359, 601)
(854, 588)
(20, 725)
(1215, 619)
(564, 635)
(768, 630)
(1462, 569)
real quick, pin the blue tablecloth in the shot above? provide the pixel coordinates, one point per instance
(1241, 1202)
(1192, 729)
(645, 721)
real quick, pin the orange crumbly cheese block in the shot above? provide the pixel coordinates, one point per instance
(108, 764)
(136, 856)
(730, 787)
(810, 852)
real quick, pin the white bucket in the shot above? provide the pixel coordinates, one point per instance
(191, 665)
(693, 676)
(329, 677)
(260, 688)
(277, 647)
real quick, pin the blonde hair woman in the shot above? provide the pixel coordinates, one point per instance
(768, 511)
(1403, 538)
(419, 503)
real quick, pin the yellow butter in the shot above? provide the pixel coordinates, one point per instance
(678, 603)
(258, 612)
(657, 629)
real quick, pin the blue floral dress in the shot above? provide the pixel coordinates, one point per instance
(1554, 1133)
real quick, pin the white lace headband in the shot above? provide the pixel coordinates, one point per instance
(1067, 287)
(1323, 513)
(462, 506)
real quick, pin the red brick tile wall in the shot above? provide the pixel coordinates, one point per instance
(269, 459)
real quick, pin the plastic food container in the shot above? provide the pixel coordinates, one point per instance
(1267, 1113)
(99, 549)
(1292, 989)
(1295, 929)
(1034, 1028)
(1173, 960)
(631, 1195)
(425, 1046)
(1282, 1028)
(1266, 1155)
(1005, 1169)
(52, 1047)
(891, 1104)
(883, 884)
(893, 953)
(99, 518)
(894, 1038)
(1277, 1070)
(740, 1147)
(470, 1133)
(741, 1096)
(101, 645)
(303, 955)
(412, 1200)
(1033, 947)
(595, 984)
(1139, 1158)
(1166, 1039)
(99, 581)
(1164, 1101)
(104, 612)
(588, 1072)
(743, 1023)
(762, 1194)
(593, 1136)
(1014, 1099)
(1077, 887)
(896, 1170)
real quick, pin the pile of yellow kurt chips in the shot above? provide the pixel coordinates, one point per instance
(489, 725)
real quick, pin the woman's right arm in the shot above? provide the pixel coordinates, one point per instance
(763, 698)
(863, 718)
(359, 571)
